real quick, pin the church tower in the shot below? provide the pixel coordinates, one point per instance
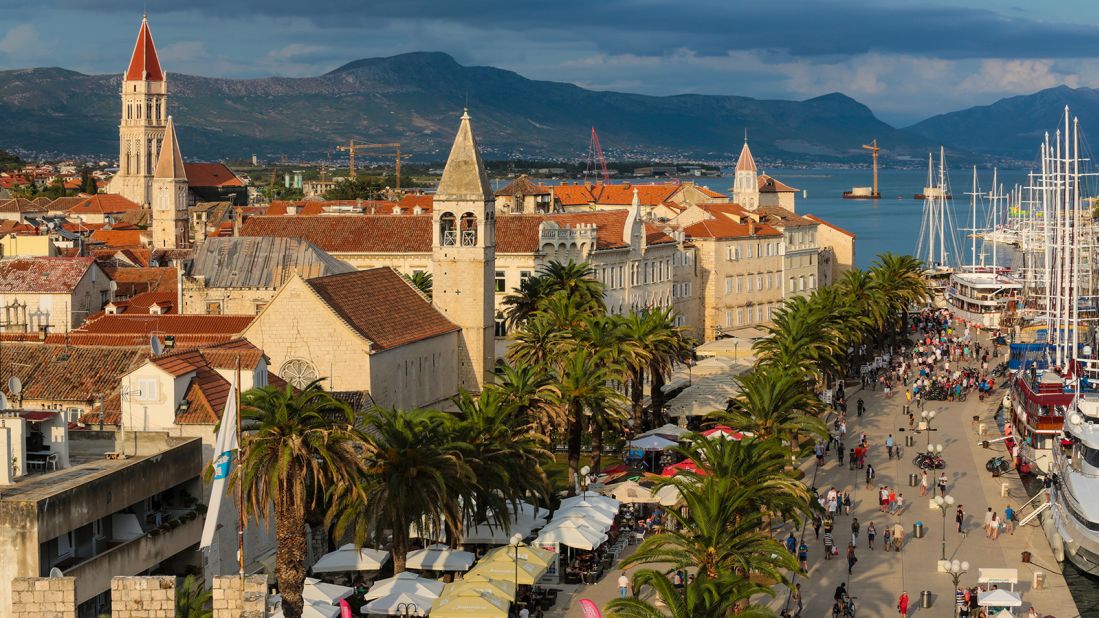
(464, 257)
(746, 182)
(169, 189)
(144, 116)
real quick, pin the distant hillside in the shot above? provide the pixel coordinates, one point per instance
(416, 99)
(1014, 126)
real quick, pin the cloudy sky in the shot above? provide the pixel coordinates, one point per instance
(906, 59)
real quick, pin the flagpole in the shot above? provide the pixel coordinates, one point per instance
(240, 489)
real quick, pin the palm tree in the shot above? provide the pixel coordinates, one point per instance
(531, 390)
(584, 388)
(702, 598)
(193, 600)
(577, 281)
(504, 454)
(670, 345)
(774, 403)
(867, 297)
(422, 281)
(901, 277)
(603, 336)
(523, 301)
(413, 468)
(637, 333)
(298, 445)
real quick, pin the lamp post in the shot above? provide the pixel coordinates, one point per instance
(928, 416)
(408, 609)
(955, 569)
(516, 539)
(944, 503)
(584, 472)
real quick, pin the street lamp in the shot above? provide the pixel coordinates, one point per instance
(408, 609)
(928, 416)
(955, 569)
(944, 503)
(516, 540)
(584, 472)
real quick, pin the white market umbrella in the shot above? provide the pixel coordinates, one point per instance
(667, 430)
(505, 589)
(398, 603)
(505, 569)
(594, 526)
(527, 553)
(314, 610)
(405, 583)
(469, 605)
(485, 534)
(324, 593)
(347, 558)
(440, 558)
(632, 492)
(584, 512)
(999, 598)
(607, 504)
(529, 511)
(572, 535)
(652, 443)
(668, 495)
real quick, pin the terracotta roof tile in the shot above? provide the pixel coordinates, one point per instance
(382, 306)
(412, 200)
(746, 163)
(349, 233)
(523, 186)
(21, 205)
(211, 175)
(610, 225)
(143, 302)
(134, 280)
(777, 216)
(67, 373)
(46, 275)
(103, 204)
(211, 325)
(144, 64)
(117, 238)
(573, 195)
(769, 184)
(834, 227)
(622, 194)
(62, 204)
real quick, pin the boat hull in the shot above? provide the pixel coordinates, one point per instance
(1081, 545)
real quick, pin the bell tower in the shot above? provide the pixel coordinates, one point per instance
(144, 116)
(464, 256)
(169, 189)
(746, 181)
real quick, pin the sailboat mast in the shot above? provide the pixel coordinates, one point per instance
(997, 192)
(942, 208)
(973, 231)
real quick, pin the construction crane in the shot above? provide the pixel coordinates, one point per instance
(391, 149)
(595, 157)
(873, 148)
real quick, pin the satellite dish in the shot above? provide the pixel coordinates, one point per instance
(3, 402)
(156, 346)
(55, 573)
(15, 387)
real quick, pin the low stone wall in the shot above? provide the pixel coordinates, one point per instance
(143, 597)
(42, 597)
(230, 603)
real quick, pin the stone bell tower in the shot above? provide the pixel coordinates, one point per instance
(464, 256)
(746, 181)
(144, 117)
(170, 198)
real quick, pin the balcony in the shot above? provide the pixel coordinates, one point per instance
(132, 557)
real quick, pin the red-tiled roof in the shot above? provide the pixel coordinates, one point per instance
(66, 373)
(381, 306)
(779, 216)
(62, 204)
(610, 227)
(212, 325)
(710, 192)
(117, 238)
(573, 195)
(769, 184)
(143, 302)
(21, 205)
(746, 163)
(144, 64)
(104, 203)
(523, 186)
(78, 227)
(622, 194)
(132, 280)
(211, 175)
(834, 227)
(43, 275)
(413, 200)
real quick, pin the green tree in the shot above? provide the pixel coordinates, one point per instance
(87, 182)
(422, 281)
(774, 403)
(359, 187)
(298, 445)
(584, 388)
(701, 598)
(193, 600)
(670, 345)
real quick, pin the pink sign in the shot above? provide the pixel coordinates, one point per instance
(345, 609)
(589, 609)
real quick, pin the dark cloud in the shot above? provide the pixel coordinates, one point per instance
(709, 27)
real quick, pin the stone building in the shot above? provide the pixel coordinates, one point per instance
(170, 195)
(838, 251)
(745, 182)
(241, 275)
(363, 331)
(50, 294)
(800, 259)
(775, 193)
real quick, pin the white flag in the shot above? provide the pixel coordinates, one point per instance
(223, 460)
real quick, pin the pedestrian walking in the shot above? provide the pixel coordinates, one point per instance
(887, 538)
(796, 598)
(846, 503)
(871, 533)
(942, 484)
(902, 604)
(924, 483)
(959, 517)
(623, 585)
(852, 459)
(817, 522)
(889, 445)
(869, 475)
(891, 502)
(851, 558)
(855, 531)
(988, 522)
(819, 450)
(898, 537)
(898, 505)
(839, 452)
(829, 545)
(791, 543)
(1009, 519)
(995, 529)
(803, 556)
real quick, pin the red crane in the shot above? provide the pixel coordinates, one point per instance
(595, 155)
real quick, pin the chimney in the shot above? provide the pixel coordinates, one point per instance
(751, 227)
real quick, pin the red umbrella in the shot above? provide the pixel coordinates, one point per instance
(725, 432)
(682, 466)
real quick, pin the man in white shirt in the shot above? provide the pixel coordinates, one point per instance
(623, 585)
(524, 613)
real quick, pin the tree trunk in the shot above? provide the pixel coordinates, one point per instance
(596, 447)
(656, 397)
(575, 441)
(400, 547)
(290, 552)
(637, 396)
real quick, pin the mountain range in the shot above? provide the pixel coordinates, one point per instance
(416, 98)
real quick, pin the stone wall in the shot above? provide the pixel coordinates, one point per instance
(143, 597)
(228, 602)
(42, 597)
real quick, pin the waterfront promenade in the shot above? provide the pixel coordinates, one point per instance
(879, 577)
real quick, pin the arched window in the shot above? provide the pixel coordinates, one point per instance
(812, 282)
(801, 283)
(448, 230)
(158, 117)
(469, 230)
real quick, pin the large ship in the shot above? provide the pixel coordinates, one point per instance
(1074, 533)
(987, 298)
(937, 247)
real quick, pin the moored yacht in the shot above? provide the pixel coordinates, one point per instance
(984, 298)
(1075, 501)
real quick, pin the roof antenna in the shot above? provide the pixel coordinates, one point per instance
(745, 135)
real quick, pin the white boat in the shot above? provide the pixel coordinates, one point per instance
(1075, 501)
(984, 298)
(937, 247)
